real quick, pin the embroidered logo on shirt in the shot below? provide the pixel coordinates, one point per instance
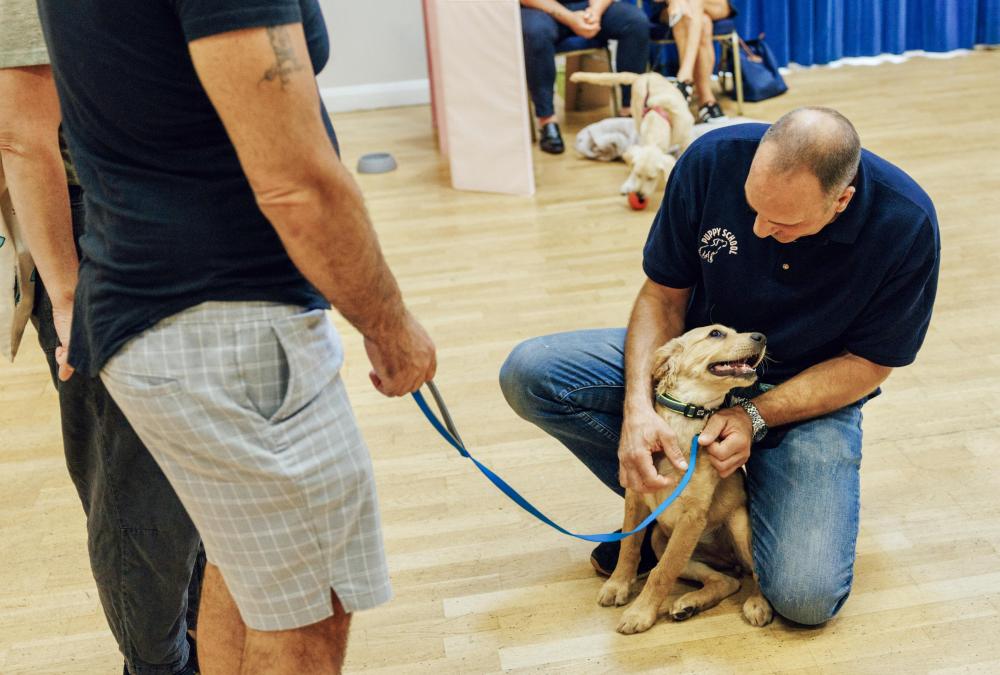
(715, 241)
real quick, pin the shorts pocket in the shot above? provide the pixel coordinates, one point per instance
(311, 355)
(139, 386)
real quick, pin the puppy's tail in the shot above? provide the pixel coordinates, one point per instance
(605, 79)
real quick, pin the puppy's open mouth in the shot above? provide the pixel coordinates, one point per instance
(744, 367)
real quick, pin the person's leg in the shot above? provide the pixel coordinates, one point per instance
(572, 386)
(686, 33)
(628, 25)
(541, 32)
(222, 633)
(317, 648)
(804, 490)
(705, 63)
(142, 545)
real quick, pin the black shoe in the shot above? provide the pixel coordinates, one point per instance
(686, 89)
(710, 112)
(605, 556)
(550, 140)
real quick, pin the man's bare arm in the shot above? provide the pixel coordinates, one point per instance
(821, 389)
(262, 85)
(36, 177)
(816, 391)
(657, 316)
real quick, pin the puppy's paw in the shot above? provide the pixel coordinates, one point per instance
(636, 620)
(757, 610)
(613, 593)
(683, 609)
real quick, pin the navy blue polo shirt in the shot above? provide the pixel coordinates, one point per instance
(171, 219)
(864, 284)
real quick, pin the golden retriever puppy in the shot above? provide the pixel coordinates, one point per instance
(664, 124)
(699, 367)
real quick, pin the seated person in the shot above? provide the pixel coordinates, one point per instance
(546, 22)
(691, 22)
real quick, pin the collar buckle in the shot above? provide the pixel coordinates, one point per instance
(689, 410)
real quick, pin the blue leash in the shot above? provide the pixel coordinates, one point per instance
(450, 434)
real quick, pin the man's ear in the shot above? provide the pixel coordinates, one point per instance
(664, 366)
(629, 156)
(845, 198)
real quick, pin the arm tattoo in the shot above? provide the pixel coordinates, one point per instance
(285, 62)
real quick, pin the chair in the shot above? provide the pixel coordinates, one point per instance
(575, 45)
(723, 32)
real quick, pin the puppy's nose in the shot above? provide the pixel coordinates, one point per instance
(758, 337)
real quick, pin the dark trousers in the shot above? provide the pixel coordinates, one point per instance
(622, 21)
(145, 553)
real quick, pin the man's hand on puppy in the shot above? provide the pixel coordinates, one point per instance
(402, 359)
(726, 439)
(644, 433)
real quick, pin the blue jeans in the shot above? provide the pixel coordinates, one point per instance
(803, 478)
(622, 21)
(144, 551)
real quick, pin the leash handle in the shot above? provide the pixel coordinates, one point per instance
(449, 432)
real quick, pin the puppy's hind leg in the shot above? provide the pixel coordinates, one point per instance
(617, 588)
(756, 610)
(716, 586)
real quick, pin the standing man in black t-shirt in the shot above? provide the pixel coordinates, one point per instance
(220, 224)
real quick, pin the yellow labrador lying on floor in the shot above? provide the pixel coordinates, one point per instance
(663, 121)
(699, 367)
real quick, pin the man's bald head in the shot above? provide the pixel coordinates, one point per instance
(818, 140)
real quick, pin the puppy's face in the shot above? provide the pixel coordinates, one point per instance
(649, 168)
(708, 361)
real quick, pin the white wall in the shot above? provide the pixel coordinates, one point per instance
(377, 54)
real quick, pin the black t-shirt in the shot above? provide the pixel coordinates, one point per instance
(865, 283)
(171, 219)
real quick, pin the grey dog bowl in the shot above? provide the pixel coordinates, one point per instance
(376, 162)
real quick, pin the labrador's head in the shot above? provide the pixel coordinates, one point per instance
(705, 363)
(649, 168)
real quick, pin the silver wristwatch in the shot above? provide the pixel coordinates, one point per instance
(759, 425)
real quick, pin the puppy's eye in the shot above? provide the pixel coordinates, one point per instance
(716, 333)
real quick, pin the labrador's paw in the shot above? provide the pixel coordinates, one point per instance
(757, 610)
(614, 593)
(636, 620)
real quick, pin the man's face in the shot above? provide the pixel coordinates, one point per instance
(789, 205)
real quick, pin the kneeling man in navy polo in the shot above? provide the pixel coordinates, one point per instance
(794, 231)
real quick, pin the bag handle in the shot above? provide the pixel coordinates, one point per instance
(749, 53)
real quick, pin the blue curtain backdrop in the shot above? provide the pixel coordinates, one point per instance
(819, 31)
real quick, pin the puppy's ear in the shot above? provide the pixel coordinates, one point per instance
(664, 370)
(629, 156)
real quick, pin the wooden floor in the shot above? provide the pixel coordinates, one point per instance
(480, 586)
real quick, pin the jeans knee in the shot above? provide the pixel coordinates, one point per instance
(539, 31)
(521, 377)
(810, 602)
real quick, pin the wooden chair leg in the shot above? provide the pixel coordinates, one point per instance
(531, 121)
